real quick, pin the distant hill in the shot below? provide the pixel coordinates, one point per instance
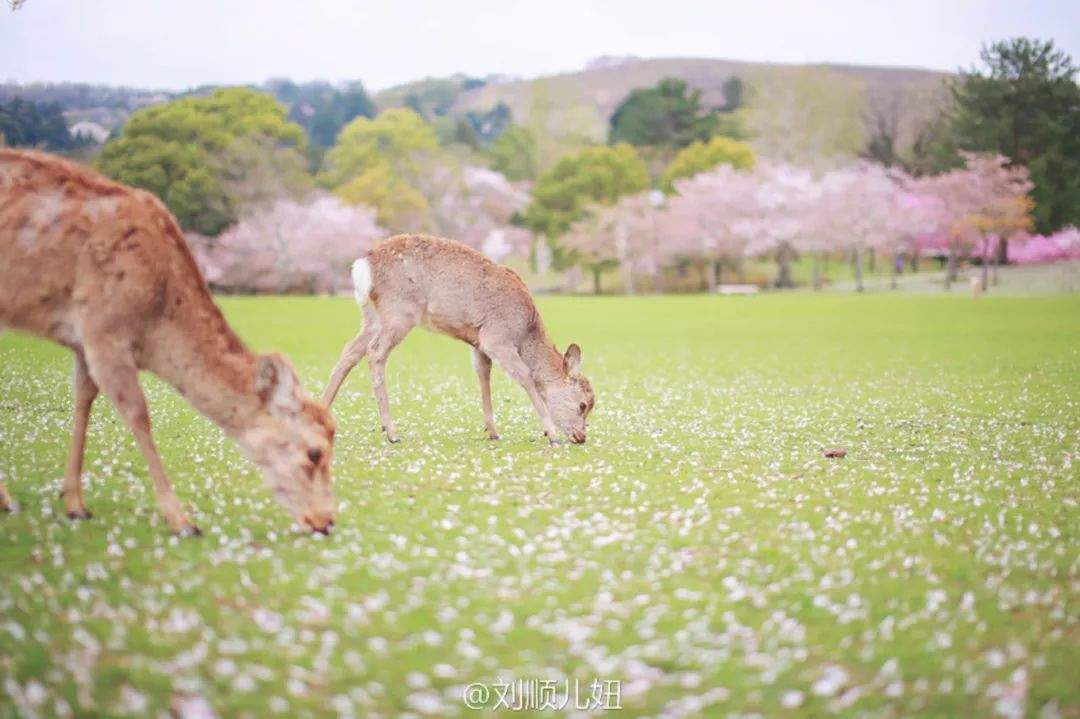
(811, 114)
(805, 113)
(105, 106)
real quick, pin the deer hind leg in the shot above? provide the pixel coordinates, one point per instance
(482, 364)
(85, 392)
(7, 504)
(507, 357)
(387, 338)
(350, 356)
(119, 380)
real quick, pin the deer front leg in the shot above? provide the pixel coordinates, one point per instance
(511, 361)
(387, 339)
(85, 392)
(119, 381)
(482, 365)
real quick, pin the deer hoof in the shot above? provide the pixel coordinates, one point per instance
(392, 439)
(493, 436)
(189, 530)
(79, 515)
(10, 508)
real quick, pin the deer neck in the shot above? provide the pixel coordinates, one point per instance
(200, 356)
(544, 361)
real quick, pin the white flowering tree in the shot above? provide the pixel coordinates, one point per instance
(289, 247)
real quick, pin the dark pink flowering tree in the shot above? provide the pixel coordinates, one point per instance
(984, 198)
(1062, 246)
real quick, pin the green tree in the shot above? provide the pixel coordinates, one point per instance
(373, 155)
(668, 115)
(734, 94)
(323, 109)
(490, 124)
(514, 154)
(701, 156)
(597, 175)
(393, 198)
(34, 124)
(1024, 102)
(392, 137)
(204, 155)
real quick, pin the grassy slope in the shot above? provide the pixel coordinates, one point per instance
(699, 541)
(797, 112)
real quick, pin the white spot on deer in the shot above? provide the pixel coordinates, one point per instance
(361, 277)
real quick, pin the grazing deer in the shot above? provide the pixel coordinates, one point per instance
(411, 280)
(103, 270)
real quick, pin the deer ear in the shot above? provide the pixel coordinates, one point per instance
(275, 382)
(572, 359)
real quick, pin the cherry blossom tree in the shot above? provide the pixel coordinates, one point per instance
(476, 205)
(289, 247)
(624, 234)
(777, 219)
(856, 211)
(984, 197)
(1062, 246)
(700, 220)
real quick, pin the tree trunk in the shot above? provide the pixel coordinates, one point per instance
(913, 261)
(950, 270)
(714, 275)
(872, 263)
(858, 271)
(783, 260)
(815, 272)
(985, 281)
(1001, 257)
(994, 271)
(596, 279)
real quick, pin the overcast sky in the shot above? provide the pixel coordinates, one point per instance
(178, 44)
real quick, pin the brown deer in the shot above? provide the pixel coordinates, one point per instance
(447, 287)
(103, 269)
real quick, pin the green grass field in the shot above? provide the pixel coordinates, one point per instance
(699, 549)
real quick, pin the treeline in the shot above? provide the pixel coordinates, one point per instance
(219, 155)
(1022, 102)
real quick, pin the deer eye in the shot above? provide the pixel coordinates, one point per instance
(583, 407)
(314, 454)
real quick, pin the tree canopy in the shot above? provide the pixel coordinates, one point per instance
(321, 108)
(1024, 102)
(374, 161)
(669, 114)
(514, 153)
(595, 175)
(701, 156)
(31, 124)
(188, 152)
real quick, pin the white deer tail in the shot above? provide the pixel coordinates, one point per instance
(361, 279)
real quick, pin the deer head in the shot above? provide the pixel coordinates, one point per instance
(290, 438)
(570, 397)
